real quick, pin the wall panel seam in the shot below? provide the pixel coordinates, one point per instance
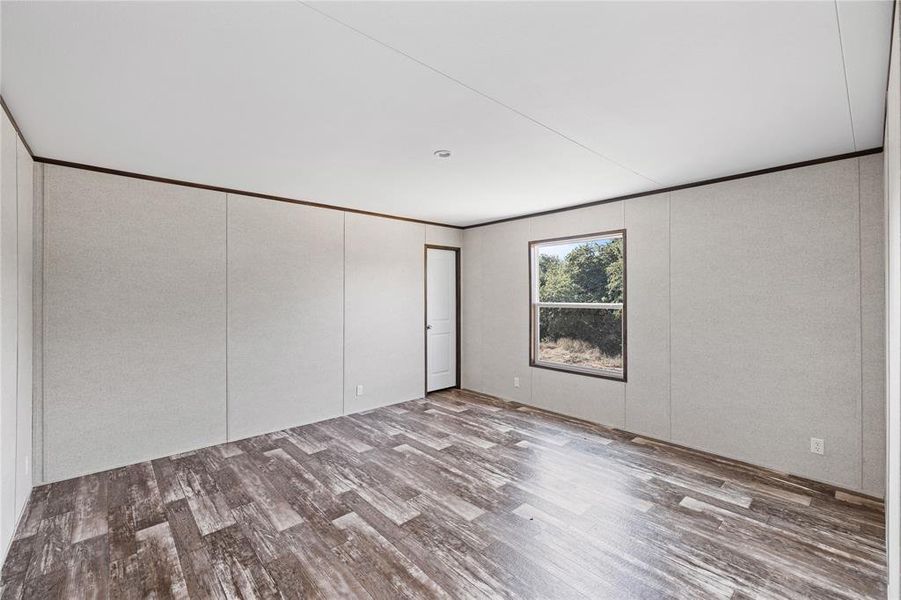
(43, 320)
(669, 301)
(344, 313)
(860, 317)
(227, 202)
(529, 316)
(16, 395)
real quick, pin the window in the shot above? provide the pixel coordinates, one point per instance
(578, 304)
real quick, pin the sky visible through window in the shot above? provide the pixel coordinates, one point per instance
(561, 250)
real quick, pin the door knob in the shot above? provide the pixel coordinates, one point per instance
(428, 326)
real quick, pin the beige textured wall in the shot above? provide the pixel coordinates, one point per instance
(872, 306)
(134, 320)
(383, 311)
(755, 319)
(285, 315)
(175, 318)
(16, 335)
(765, 320)
(24, 322)
(687, 252)
(8, 330)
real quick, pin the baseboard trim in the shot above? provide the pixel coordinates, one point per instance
(825, 486)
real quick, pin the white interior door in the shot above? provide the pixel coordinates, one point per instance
(441, 319)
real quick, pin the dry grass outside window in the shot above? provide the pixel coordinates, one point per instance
(577, 352)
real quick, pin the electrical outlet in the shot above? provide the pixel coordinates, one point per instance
(27, 465)
(516, 382)
(359, 390)
(817, 446)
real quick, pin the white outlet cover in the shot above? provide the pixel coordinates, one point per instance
(516, 382)
(359, 390)
(817, 446)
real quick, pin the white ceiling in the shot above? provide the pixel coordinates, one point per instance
(543, 104)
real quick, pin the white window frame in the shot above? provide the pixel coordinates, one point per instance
(535, 305)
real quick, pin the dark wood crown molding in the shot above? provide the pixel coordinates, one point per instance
(74, 165)
(216, 188)
(12, 120)
(683, 186)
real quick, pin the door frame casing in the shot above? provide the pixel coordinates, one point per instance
(425, 313)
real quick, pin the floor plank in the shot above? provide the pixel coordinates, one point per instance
(457, 495)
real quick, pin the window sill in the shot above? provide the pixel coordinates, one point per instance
(610, 375)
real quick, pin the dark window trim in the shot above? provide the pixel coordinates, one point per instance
(563, 368)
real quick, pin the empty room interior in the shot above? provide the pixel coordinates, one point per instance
(383, 300)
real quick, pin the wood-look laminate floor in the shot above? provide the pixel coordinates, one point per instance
(452, 496)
